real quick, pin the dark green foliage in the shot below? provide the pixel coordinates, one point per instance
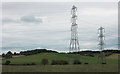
(95, 53)
(9, 52)
(8, 55)
(108, 53)
(44, 61)
(91, 55)
(27, 64)
(53, 62)
(36, 51)
(16, 53)
(56, 56)
(24, 64)
(3, 55)
(33, 63)
(76, 62)
(7, 62)
(59, 62)
(85, 63)
(103, 62)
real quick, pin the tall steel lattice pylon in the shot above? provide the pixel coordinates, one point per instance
(74, 43)
(101, 36)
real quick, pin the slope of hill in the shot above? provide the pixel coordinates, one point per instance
(36, 58)
(113, 56)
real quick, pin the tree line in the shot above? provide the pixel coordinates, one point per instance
(9, 54)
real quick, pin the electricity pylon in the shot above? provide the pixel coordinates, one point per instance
(74, 43)
(101, 37)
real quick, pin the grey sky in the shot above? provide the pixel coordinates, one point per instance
(47, 25)
(60, 0)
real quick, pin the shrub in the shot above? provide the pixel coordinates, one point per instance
(3, 55)
(91, 55)
(103, 62)
(7, 62)
(33, 63)
(62, 62)
(44, 61)
(24, 64)
(76, 62)
(54, 62)
(8, 55)
(85, 63)
(27, 64)
(59, 62)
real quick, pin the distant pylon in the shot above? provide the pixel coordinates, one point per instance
(74, 43)
(101, 36)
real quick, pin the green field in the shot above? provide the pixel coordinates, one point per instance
(93, 66)
(62, 68)
(57, 56)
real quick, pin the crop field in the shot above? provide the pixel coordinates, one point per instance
(93, 65)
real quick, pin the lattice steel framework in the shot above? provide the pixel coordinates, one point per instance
(74, 43)
(101, 36)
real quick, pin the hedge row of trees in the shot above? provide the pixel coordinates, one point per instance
(9, 63)
(9, 54)
(36, 51)
(94, 53)
(45, 62)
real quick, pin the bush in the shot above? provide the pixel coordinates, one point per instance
(27, 64)
(59, 62)
(54, 62)
(62, 62)
(3, 55)
(103, 62)
(33, 63)
(24, 64)
(7, 62)
(85, 63)
(76, 62)
(44, 61)
(8, 55)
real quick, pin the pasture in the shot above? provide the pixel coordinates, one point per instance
(93, 65)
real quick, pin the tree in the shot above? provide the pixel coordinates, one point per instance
(8, 55)
(7, 62)
(44, 61)
(15, 53)
(59, 62)
(9, 52)
(76, 62)
(3, 55)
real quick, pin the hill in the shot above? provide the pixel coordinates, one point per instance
(36, 58)
(113, 56)
(92, 66)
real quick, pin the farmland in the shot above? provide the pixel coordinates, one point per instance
(93, 65)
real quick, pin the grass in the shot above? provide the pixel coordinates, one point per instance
(114, 56)
(93, 66)
(62, 68)
(57, 56)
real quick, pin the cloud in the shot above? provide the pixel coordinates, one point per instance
(9, 20)
(31, 19)
(53, 25)
(23, 19)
